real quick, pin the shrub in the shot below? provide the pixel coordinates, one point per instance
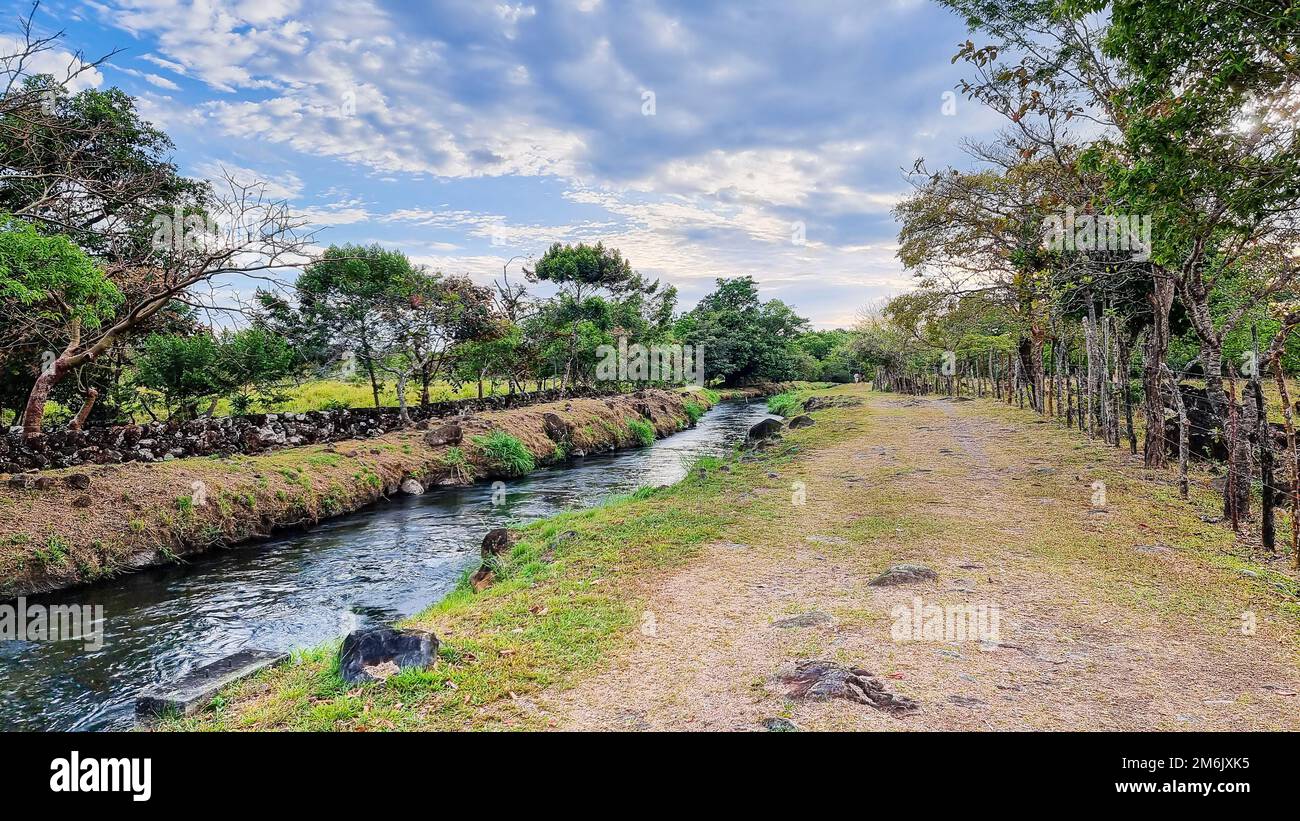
(642, 432)
(694, 411)
(505, 454)
(785, 404)
(458, 466)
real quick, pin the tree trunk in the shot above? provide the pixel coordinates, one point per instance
(86, 407)
(1154, 450)
(1181, 408)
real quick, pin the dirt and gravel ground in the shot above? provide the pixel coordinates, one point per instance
(1133, 615)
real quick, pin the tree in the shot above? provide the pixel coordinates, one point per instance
(421, 319)
(342, 297)
(744, 339)
(182, 368)
(191, 369)
(582, 272)
(47, 285)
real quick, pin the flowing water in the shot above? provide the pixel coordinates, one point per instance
(300, 589)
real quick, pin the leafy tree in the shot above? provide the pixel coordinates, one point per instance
(183, 368)
(581, 272)
(47, 285)
(744, 339)
(342, 297)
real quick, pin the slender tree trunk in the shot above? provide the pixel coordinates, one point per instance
(1155, 452)
(1181, 408)
(86, 407)
(1288, 417)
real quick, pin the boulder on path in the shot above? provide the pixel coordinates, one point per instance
(823, 402)
(448, 434)
(802, 421)
(816, 680)
(905, 574)
(765, 429)
(372, 653)
(22, 481)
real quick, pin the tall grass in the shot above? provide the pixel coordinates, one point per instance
(785, 404)
(505, 454)
(642, 432)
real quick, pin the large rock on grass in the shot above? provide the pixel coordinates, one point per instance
(448, 434)
(372, 653)
(905, 574)
(557, 430)
(766, 429)
(802, 421)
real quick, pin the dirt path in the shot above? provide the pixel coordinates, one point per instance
(1127, 616)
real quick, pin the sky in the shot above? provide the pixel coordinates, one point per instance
(702, 139)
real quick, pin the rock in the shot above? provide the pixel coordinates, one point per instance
(809, 619)
(498, 541)
(905, 574)
(82, 501)
(765, 429)
(557, 430)
(411, 487)
(374, 647)
(815, 680)
(77, 481)
(802, 421)
(22, 481)
(780, 725)
(448, 434)
(43, 482)
(482, 579)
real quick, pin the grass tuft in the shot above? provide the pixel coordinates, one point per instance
(505, 454)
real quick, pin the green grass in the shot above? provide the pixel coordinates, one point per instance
(505, 454)
(642, 432)
(785, 404)
(458, 465)
(694, 411)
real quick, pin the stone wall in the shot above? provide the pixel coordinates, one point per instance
(255, 433)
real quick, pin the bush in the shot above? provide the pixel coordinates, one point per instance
(642, 432)
(694, 411)
(785, 404)
(505, 454)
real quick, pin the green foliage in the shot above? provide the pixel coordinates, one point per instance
(693, 411)
(505, 454)
(190, 369)
(744, 339)
(642, 432)
(48, 282)
(785, 404)
(458, 465)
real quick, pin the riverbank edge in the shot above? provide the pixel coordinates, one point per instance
(140, 515)
(565, 594)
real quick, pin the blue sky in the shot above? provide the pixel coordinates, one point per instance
(700, 138)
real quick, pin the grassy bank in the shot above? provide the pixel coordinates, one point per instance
(134, 515)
